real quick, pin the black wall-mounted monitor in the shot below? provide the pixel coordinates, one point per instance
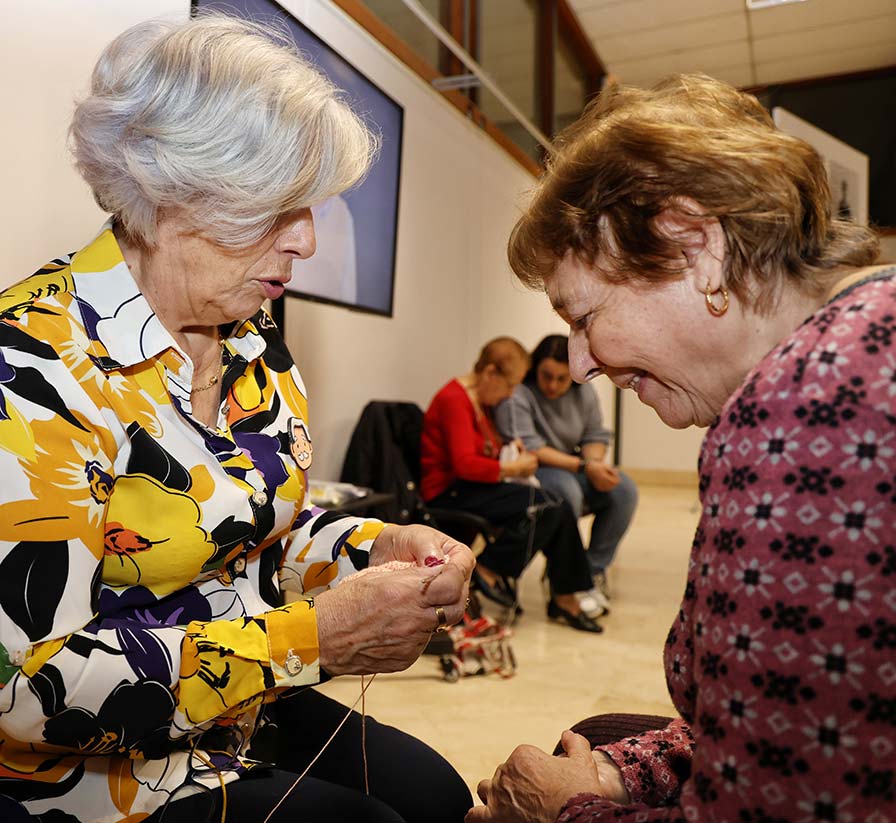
(354, 265)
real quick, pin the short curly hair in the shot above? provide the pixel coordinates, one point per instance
(635, 153)
(219, 117)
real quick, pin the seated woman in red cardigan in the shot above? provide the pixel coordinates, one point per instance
(462, 469)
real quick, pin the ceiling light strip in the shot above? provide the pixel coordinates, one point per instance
(755, 5)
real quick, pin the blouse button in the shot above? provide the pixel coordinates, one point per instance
(260, 498)
(17, 658)
(293, 663)
(239, 565)
(226, 409)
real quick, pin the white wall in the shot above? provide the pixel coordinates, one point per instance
(460, 195)
(649, 445)
(47, 51)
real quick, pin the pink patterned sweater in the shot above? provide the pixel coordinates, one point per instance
(782, 659)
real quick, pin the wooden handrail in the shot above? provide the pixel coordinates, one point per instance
(574, 35)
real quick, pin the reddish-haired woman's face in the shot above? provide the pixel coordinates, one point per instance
(657, 340)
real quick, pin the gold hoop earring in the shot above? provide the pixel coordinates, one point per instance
(716, 311)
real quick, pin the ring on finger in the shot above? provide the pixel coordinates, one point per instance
(441, 619)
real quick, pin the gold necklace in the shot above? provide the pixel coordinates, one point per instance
(215, 377)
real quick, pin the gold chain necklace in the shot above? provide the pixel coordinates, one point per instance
(215, 377)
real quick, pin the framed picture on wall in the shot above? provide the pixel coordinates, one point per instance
(847, 167)
(357, 232)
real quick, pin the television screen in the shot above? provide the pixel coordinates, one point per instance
(365, 218)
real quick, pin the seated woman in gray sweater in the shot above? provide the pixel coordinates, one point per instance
(560, 422)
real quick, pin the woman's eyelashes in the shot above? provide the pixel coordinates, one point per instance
(580, 323)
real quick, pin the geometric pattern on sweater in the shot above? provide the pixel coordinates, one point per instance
(782, 658)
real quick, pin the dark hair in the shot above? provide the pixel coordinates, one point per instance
(635, 153)
(555, 347)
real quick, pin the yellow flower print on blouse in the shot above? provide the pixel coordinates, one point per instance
(251, 391)
(103, 469)
(143, 515)
(293, 395)
(16, 434)
(71, 467)
(53, 280)
(123, 391)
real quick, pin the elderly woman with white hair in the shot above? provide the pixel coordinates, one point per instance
(167, 591)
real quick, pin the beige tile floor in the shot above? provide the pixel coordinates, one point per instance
(563, 675)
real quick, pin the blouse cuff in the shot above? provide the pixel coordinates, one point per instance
(293, 644)
(232, 664)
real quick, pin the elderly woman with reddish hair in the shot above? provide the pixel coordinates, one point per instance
(692, 249)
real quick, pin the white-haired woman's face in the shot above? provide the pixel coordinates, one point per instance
(658, 340)
(217, 284)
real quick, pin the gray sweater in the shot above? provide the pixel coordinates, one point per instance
(566, 424)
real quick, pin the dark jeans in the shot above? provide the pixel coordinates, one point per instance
(408, 780)
(556, 532)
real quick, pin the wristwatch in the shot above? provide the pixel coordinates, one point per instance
(582, 463)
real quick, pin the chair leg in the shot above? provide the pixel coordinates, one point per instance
(474, 610)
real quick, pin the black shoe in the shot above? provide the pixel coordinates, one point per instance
(497, 592)
(579, 621)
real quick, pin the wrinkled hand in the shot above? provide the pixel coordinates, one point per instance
(421, 545)
(611, 784)
(381, 622)
(604, 478)
(532, 786)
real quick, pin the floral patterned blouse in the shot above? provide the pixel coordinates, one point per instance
(782, 660)
(143, 555)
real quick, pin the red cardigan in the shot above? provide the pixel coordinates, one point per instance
(455, 445)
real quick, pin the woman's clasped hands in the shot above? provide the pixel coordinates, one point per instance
(516, 461)
(604, 478)
(382, 622)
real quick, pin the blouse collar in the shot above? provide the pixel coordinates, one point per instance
(121, 325)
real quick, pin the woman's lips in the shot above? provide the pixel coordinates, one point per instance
(272, 288)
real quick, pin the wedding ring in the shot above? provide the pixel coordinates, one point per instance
(442, 618)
